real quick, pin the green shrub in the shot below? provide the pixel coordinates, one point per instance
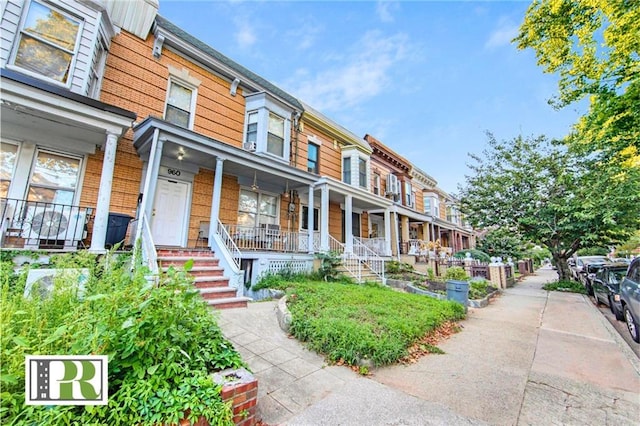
(456, 273)
(566, 286)
(329, 267)
(478, 289)
(396, 267)
(350, 322)
(162, 342)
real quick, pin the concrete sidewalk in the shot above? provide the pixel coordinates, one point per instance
(531, 357)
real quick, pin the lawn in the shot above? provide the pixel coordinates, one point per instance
(349, 322)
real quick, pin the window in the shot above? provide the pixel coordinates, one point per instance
(305, 218)
(407, 194)
(252, 129)
(255, 208)
(275, 135)
(47, 43)
(312, 161)
(362, 172)
(427, 205)
(97, 70)
(179, 105)
(346, 170)
(54, 178)
(8, 156)
(376, 183)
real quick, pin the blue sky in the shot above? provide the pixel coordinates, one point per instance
(425, 78)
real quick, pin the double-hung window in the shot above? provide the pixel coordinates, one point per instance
(257, 208)
(346, 170)
(54, 178)
(305, 218)
(47, 42)
(8, 156)
(427, 205)
(179, 105)
(312, 158)
(376, 183)
(362, 172)
(275, 135)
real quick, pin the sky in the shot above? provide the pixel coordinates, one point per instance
(428, 79)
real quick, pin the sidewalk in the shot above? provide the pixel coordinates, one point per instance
(531, 357)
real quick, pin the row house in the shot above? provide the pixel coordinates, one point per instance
(110, 112)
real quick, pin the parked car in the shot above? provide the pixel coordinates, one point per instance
(588, 273)
(630, 298)
(605, 284)
(578, 264)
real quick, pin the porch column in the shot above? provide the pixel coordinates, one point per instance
(324, 218)
(310, 224)
(425, 231)
(404, 224)
(148, 193)
(348, 223)
(215, 199)
(101, 220)
(387, 231)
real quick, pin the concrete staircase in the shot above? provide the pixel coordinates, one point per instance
(359, 270)
(207, 274)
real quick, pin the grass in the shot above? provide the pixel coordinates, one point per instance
(566, 286)
(349, 322)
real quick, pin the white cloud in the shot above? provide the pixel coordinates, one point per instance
(352, 77)
(506, 31)
(305, 35)
(385, 9)
(245, 35)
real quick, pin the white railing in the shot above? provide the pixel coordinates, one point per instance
(268, 238)
(378, 245)
(336, 246)
(236, 255)
(372, 260)
(144, 240)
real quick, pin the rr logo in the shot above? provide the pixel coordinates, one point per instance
(66, 380)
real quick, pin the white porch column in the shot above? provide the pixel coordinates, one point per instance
(387, 231)
(215, 199)
(348, 224)
(324, 218)
(310, 224)
(148, 194)
(101, 220)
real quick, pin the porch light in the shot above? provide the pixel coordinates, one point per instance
(286, 191)
(255, 182)
(180, 154)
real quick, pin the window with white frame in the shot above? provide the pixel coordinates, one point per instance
(407, 194)
(313, 158)
(54, 178)
(275, 135)
(252, 131)
(346, 170)
(97, 69)
(8, 156)
(180, 104)
(362, 172)
(304, 223)
(257, 208)
(426, 203)
(376, 183)
(47, 42)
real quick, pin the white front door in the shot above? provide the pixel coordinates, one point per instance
(168, 219)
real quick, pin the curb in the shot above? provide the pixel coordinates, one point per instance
(620, 342)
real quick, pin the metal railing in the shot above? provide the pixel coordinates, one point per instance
(378, 245)
(42, 225)
(236, 255)
(268, 238)
(144, 242)
(371, 259)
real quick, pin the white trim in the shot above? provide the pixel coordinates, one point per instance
(194, 95)
(77, 191)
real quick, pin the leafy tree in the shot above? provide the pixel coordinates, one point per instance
(594, 46)
(502, 242)
(550, 196)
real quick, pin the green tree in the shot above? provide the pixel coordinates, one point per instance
(550, 196)
(594, 47)
(502, 242)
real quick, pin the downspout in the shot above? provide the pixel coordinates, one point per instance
(297, 116)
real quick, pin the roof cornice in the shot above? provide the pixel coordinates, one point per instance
(339, 133)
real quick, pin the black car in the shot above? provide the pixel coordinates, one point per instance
(588, 272)
(605, 284)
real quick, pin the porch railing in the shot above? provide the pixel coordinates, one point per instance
(377, 245)
(267, 238)
(236, 255)
(41, 225)
(373, 261)
(358, 261)
(144, 248)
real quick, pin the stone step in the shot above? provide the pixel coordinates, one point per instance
(230, 302)
(218, 293)
(182, 252)
(180, 260)
(211, 282)
(200, 271)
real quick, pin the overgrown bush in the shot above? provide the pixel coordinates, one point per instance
(478, 288)
(162, 341)
(329, 267)
(396, 267)
(456, 273)
(566, 286)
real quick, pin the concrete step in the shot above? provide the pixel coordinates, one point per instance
(217, 293)
(230, 302)
(211, 282)
(199, 271)
(181, 260)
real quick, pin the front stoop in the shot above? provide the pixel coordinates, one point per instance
(208, 276)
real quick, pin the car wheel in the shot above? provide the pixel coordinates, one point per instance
(632, 324)
(597, 301)
(616, 312)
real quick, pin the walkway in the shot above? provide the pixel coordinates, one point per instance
(531, 357)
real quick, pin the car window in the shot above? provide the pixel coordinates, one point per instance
(634, 273)
(616, 276)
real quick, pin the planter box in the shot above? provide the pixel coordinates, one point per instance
(240, 388)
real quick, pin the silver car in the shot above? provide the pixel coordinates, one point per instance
(630, 298)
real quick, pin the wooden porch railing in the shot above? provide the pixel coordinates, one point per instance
(267, 238)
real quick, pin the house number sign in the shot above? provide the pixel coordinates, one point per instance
(173, 172)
